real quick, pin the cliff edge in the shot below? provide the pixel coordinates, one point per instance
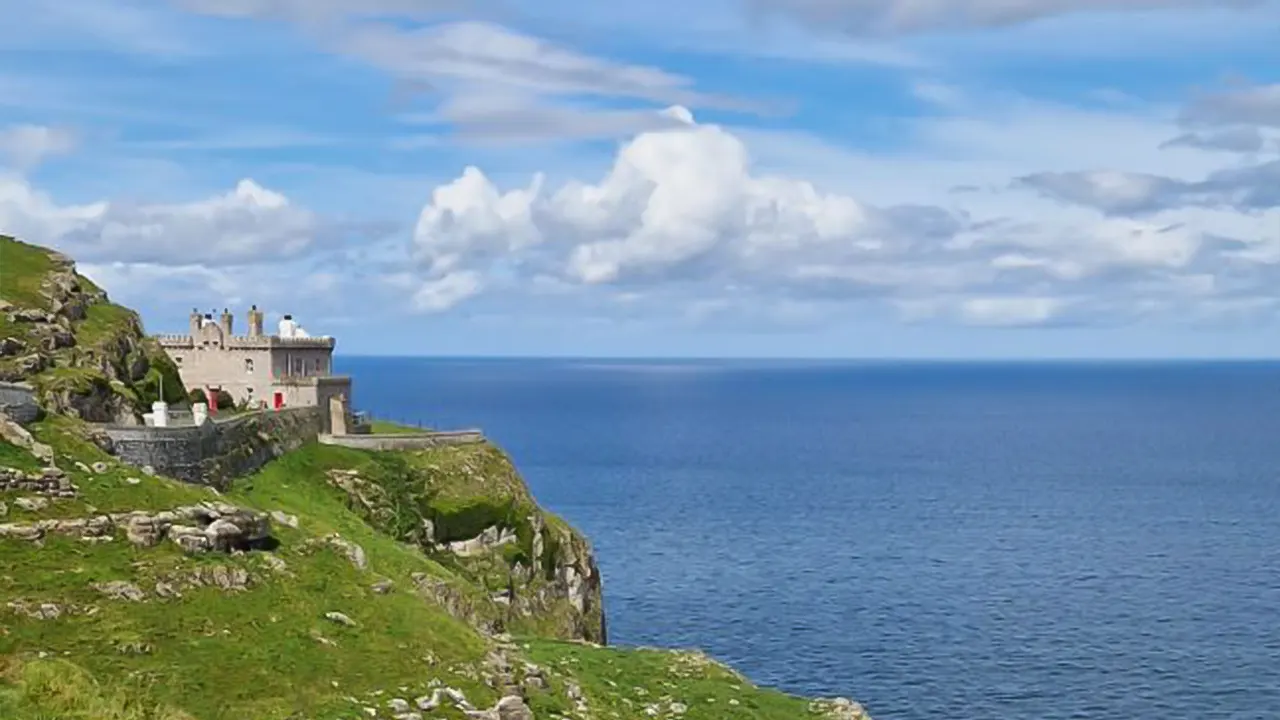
(333, 583)
(86, 357)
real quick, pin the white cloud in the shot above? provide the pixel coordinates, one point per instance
(26, 146)
(1010, 311)
(447, 291)
(489, 81)
(688, 207)
(249, 224)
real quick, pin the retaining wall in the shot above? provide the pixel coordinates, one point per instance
(395, 441)
(220, 450)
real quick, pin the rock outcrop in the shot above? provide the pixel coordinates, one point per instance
(478, 518)
(206, 527)
(85, 357)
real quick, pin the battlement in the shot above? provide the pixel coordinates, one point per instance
(249, 342)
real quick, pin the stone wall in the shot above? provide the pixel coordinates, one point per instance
(415, 441)
(18, 401)
(218, 451)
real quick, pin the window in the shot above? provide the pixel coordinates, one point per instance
(248, 365)
(177, 360)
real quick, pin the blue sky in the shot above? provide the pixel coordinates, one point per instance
(847, 178)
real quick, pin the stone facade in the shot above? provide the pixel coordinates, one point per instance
(288, 369)
(216, 452)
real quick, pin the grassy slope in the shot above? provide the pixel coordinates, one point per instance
(22, 269)
(216, 655)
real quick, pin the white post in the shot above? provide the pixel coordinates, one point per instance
(199, 413)
(160, 413)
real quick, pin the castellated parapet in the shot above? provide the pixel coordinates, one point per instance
(290, 368)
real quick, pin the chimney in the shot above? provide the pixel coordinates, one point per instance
(195, 320)
(227, 322)
(255, 322)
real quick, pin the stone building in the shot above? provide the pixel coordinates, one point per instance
(288, 369)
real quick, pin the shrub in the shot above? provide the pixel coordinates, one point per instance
(225, 401)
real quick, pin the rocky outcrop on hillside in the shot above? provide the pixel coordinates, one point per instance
(521, 568)
(86, 357)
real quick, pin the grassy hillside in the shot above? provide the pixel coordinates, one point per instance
(59, 332)
(335, 583)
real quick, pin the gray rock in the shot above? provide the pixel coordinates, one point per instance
(428, 703)
(399, 705)
(512, 707)
(99, 467)
(339, 618)
(133, 481)
(144, 531)
(285, 519)
(382, 587)
(121, 590)
(31, 504)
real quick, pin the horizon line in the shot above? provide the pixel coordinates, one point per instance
(818, 358)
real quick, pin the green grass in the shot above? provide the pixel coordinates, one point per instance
(386, 427)
(22, 268)
(218, 655)
(42, 689)
(103, 322)
(619, 682)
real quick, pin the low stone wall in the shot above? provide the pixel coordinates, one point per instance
(218, 451)
(395, 441)
(18, 401)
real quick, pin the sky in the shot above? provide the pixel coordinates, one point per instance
(758, 178)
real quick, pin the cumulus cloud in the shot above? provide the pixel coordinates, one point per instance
(249, 224)
(685, 207)
(907, 16)
(25, 146)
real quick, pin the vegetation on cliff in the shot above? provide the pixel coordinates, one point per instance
(334, 583)
(86, 356)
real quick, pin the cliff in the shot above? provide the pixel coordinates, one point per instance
(333, 583)
(87, 357)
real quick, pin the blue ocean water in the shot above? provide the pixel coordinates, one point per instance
(1038, 541)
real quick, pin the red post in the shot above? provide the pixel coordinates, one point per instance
(211, 397)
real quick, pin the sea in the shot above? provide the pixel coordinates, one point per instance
(1012, 541)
